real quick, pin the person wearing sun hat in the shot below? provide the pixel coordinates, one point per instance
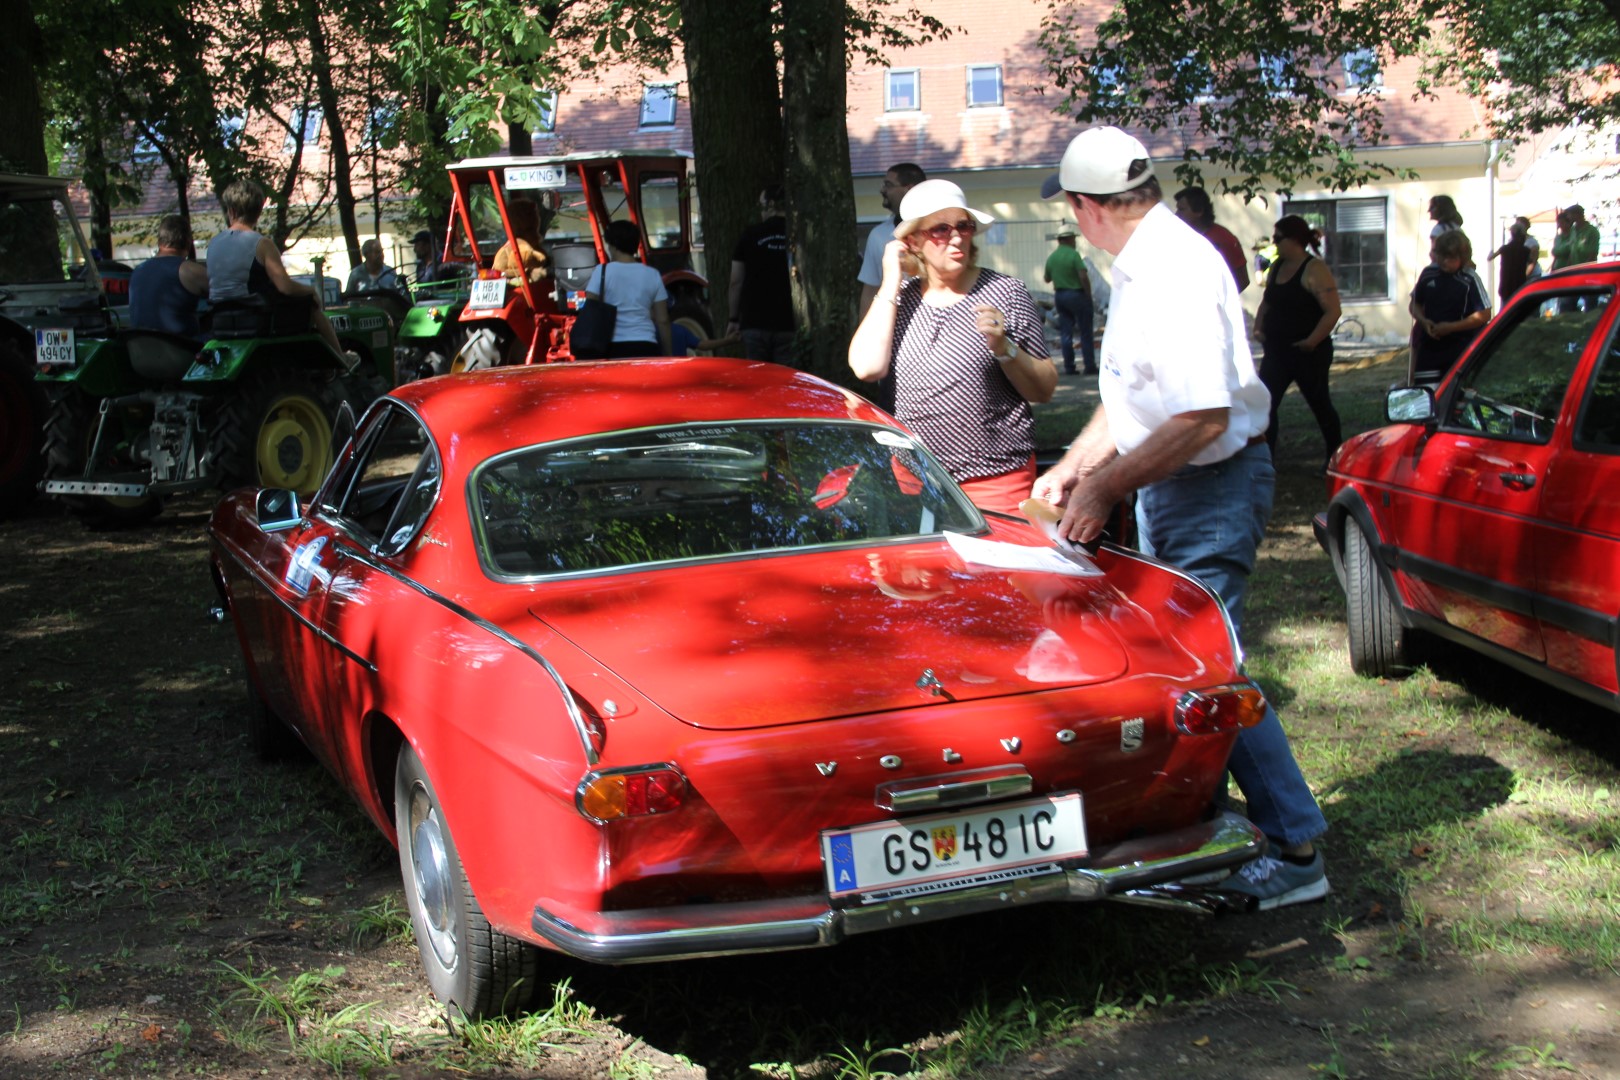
(966, 345)
(1183, 424)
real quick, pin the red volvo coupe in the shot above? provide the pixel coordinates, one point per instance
(1488, 512)
(678, 658)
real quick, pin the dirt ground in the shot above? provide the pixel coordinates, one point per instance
(113, 679)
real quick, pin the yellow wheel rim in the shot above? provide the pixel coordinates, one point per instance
(294, 447)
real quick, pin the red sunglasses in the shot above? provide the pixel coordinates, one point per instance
(941, 233)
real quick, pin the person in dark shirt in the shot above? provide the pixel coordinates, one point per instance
(761, 295)
(1449, 306)
(164, 290)
(427, 257)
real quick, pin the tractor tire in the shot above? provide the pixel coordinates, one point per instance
(70, 433)
(275, 431)
(695, 316)
(23, 410)
(1379, 645)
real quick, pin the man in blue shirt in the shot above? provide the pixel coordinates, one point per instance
(164, 290)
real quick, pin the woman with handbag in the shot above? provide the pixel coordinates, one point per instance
(636, 292)
(966, 345)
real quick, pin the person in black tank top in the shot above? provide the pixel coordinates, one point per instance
(1295, 324)
(164, 290)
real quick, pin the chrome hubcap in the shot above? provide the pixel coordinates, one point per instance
(432, 873)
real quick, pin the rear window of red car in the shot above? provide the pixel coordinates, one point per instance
(706, 491)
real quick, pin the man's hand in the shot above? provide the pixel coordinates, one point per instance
(1087, 509)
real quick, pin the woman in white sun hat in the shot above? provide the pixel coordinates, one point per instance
(966, 346)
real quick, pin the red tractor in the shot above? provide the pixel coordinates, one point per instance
(577, 196)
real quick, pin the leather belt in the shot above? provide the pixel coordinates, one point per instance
(1255, 440)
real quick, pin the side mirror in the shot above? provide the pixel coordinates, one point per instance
(1409, 405)
(276, 509)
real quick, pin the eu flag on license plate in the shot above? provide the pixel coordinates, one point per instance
(843, 861)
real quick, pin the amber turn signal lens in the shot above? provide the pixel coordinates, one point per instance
(1220, 708)
(647, 789)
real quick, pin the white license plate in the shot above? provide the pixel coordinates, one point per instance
(536, 176)
(54, 347)
(889, 854)
(488, 293)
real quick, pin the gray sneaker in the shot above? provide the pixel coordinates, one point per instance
(1276, 883)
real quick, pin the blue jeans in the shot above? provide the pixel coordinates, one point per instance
(1209, 520)
(1074, 311)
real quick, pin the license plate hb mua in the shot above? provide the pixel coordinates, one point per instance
(882, 855)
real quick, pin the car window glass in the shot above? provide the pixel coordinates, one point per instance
(396, 483)
(708, 491)
(1515, 384)
(1599, 425)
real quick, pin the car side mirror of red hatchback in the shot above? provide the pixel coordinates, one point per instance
(1409, 405)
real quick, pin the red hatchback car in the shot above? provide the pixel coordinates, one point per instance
(1488, 512)
(676, 658)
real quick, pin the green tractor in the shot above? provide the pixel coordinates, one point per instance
(136, 416)
(430, 334)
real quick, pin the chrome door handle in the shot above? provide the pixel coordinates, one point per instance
(1522, 481)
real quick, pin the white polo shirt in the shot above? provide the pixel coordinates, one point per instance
(871, 272)
(1176, 342)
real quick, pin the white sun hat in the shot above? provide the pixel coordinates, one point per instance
(930, 197)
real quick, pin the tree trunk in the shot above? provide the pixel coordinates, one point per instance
(337, 137)
(27, 239)
(736, 124)
(519, 143)
(100, 191)
(821, 199)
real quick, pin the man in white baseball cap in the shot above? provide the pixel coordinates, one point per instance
(1183, 425)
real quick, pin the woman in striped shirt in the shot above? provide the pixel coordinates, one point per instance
(966, 345)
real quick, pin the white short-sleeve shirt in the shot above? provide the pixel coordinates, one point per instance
(872, 261)
(1176, 342)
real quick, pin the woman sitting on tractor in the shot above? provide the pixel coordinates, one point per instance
(242, 263)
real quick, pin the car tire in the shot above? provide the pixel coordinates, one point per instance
(70, 432)
(23, 410)
(268, 736)
(469, 963)
(1378, 641)
(275, 430)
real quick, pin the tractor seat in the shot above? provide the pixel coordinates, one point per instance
(260, 316)
(159, 356)
(571, 267)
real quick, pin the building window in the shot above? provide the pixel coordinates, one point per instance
(306, 122)
(1193, 78)
(546, 102)
(983, 85)
(1274, 73)
(658, 105)
(902, 90)
(230, 129)
(380, 121)
(1361, 69)
(1355, 242)
(1108, 84)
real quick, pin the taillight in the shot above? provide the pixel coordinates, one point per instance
(637, 791)
(1220, 708)
(489, 274)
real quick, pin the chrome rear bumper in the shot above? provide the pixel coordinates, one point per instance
(1136, 871)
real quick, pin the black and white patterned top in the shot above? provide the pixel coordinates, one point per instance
(951, 391)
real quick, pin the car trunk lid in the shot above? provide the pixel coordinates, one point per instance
(784, 640)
